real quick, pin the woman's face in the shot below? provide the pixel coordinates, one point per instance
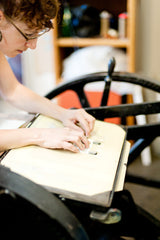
(13, 42)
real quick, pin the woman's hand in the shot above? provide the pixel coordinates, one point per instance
(62, 138)
(79, 120)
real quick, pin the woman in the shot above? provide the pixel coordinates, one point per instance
(21, 23)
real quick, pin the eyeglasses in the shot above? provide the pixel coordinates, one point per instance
(31, 36)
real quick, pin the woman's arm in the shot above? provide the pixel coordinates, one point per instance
(69, 137)
(58, 138)
(23, 98)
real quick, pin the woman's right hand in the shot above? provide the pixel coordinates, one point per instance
(63, 138)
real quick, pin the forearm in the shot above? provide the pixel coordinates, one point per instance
(29, 101)
(16, 138)
(50, 138)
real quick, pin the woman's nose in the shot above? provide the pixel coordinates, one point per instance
(32, 43)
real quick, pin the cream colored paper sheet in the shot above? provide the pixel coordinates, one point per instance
(81, 172)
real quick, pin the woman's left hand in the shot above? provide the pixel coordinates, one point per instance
(79, 119)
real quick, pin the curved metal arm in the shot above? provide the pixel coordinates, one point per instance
(43, 200)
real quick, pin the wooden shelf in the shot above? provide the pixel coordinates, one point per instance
(84, 42)
(61, 44)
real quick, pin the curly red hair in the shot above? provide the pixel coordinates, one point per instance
(35, 13)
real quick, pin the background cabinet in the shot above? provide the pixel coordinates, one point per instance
(63, 45)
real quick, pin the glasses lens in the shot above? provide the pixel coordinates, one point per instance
(38, 34)
(43, 31)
